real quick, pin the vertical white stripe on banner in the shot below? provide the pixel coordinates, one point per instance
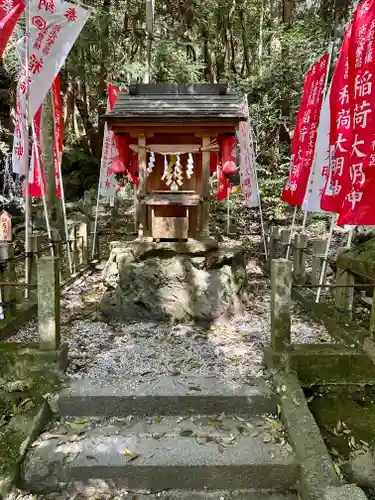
(320, 167)
(248, 177)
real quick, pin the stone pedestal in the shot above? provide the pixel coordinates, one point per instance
(192, 280)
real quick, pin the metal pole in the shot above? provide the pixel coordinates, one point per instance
(39, 167)
(291, 232)
(135, 208)
(304, 220)
(350, 237)
(228, 211)
(26, 125)
(96, 222)
(64, 212)
(324, 266)
(257, 186)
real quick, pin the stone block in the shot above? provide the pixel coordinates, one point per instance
(165, 395)
(346, 492)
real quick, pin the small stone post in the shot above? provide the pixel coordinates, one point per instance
(319, 248)
(34, 249)
(274, 243)
(284, 238)
(82, 244)
(281, 303)
(344, 296)
(8, 272)
(48, 272)
(72, 237)
(300, 245)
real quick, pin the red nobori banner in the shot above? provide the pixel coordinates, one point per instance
(340, 131)
(358, 207)
(304, 137)
(10, 11)
(36, 175)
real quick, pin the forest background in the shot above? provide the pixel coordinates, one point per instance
(263, 47)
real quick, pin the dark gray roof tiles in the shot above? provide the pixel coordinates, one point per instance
(176, 102)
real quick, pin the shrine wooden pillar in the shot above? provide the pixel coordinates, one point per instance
(142, 187)
(205, 187)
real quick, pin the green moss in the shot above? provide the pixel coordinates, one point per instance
(27, 373)
(352, 405)
(360, 258)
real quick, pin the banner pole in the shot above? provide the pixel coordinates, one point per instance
(135, 208)
(304, 220)
(350, 237)
(27, 145)
(291, 232)
(228, 210)
(39, 167)
(257, 185)
(95, 223)
(325, 261)
(64, 211)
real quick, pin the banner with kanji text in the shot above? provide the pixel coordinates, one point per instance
(248, 177)
(320, 168)
(10, 11)
(358, 207)
(55, 26)
(340, 131)
(107, 180)
(304, 138)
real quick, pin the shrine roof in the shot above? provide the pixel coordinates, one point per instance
(177, 102)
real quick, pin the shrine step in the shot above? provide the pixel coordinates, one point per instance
(188, 454)
(166, 395)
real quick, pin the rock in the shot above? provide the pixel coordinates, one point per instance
(361, 470)
(173, 281)
(346, 492)
(360, 258)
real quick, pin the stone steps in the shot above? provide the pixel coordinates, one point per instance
(218, 494)
(150, 461)
(160, 440)
(166, 395)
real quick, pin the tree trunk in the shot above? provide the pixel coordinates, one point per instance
(48, 166)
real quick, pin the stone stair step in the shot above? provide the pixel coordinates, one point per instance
(219, 494)
(135, 462)
(166, 395)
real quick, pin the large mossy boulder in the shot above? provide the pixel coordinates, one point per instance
(360, 258)
(197, 281)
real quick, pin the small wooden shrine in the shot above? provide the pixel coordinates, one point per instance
(175, 129)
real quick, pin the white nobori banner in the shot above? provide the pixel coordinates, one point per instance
(248, 175)
(54, 28)
(320, 167)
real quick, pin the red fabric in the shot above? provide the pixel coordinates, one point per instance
(340, 132)
(304, 138)
(214, 162)
(35, 187)
(9, 15)
(227, 143)
(222, 184)
(58, 134)
(124, 161)
(358, 207)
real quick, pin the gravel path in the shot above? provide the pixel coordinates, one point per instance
(229, 348)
